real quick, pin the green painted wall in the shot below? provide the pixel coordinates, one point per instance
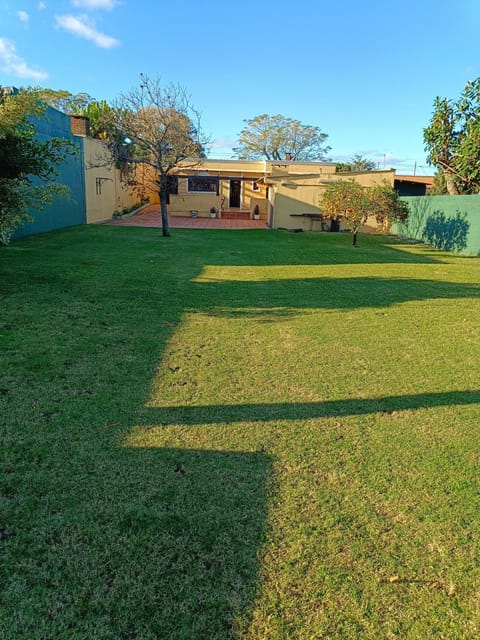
(61, 212)
(446, 222)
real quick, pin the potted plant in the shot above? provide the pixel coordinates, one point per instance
(213, 212)
(256, 213)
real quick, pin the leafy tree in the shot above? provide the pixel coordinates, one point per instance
(156, 126)
(347, 200)
(69, 103)
(386, 206)
(273, 137)
(98, 112)
(27, 165)
(439, 187)
(357, 163)
(452, 140)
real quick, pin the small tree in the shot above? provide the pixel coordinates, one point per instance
(350, 201)
(386, 206)
(156, 126)
(347, 200)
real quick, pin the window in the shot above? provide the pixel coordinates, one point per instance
(255, 186)
(203, 184)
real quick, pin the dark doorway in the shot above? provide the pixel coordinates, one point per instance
(235, 193)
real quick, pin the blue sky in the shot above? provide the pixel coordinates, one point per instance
(365, 72)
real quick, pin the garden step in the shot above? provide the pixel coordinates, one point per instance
(235, 215)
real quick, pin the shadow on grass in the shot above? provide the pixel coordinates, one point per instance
(278, 248)
(190, 415)
(119, 542)
(245, 299)
(187, 566)
(99, 540)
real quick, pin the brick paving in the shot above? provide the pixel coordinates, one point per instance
(151, 217)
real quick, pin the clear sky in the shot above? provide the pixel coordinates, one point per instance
(365, 72)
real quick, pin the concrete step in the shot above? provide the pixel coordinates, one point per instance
(238, 214)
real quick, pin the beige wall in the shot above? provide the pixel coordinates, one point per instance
(294, 187)
(296, 194)
(185, 202)
(105, 190)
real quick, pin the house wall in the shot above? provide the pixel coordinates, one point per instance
(106, 192)
(247, 170)
(446, 222)
(302, 195)
(62, 212)
(185, 202)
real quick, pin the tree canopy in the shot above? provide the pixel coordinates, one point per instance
(27, 165)
(98, 112)
(452, 140)
(357, 163)
(386, 206)
(156, 125)
(69, 103)
(348, 200)
(275, 137)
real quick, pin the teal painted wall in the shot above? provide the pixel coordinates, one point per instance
(62, 212)
(446, 222)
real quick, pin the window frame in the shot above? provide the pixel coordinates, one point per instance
(212, 180)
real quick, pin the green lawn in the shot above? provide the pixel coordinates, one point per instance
(254, 435)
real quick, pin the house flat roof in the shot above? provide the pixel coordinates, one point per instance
(428, 180)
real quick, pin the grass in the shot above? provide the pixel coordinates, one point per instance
(253, 435)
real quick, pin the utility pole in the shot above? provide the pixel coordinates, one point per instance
(415, 168)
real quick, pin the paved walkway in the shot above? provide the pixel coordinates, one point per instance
(151, 217)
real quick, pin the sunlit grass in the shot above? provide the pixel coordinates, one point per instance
(246, 435)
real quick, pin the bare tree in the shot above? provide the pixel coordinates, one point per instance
(156, 125)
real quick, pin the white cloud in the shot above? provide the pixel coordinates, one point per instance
(83, 27)
(94, 4)
(13, 64)
(41, 6)
(22, 16)
(223, 143)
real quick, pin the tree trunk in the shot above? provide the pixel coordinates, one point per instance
(354, 243)
(163, 205)
(450, 184)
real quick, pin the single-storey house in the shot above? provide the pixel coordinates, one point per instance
(285, 194)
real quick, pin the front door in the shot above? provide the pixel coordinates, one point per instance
(235, 194)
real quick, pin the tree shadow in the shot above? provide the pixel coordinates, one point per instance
(275, 300)
(271, 249)
(447, 234)
(188, 563)
(100, 539)
(261, 412)
(414, 225)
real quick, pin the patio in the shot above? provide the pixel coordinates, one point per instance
(151, 217)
